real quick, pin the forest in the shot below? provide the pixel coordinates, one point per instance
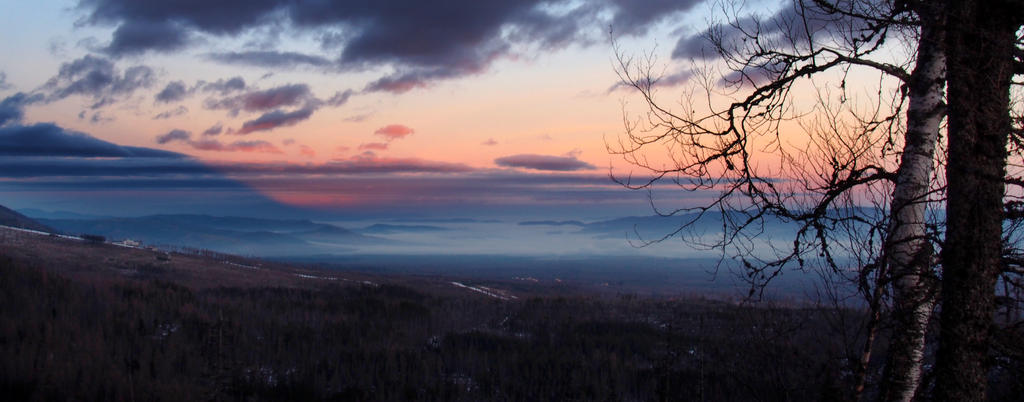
(112, 327)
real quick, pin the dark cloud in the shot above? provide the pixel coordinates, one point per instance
(174, 135)
(173, 92)
(424, 41)
(98, 78)
(543, 162)
(699, 46)
(136, 36)
(272, 59)
(216, 129)
(794, 26)
(47, 139)
(178, 111)
(257, 101)
(271, 120)
(634, 17)
(490, 142)
(224, 87)
(394, 131)
(12, 107)
(223, 17)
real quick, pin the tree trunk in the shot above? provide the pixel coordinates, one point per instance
(980, 45)
(908, 249)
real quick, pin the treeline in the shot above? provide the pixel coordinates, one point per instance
(122, 339)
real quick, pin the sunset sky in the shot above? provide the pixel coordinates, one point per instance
(266, 107)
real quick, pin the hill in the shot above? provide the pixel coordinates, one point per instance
(9, 217)
(238, 235)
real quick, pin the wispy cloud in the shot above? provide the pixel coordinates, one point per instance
(271, 120)
(214, 130)
(272, 59)
(263, 100)
(178, 111)
(185, 137)
(543, 162)
(174, 135)
(98, 78)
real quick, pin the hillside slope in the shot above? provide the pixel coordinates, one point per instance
(249, 236)
(9, 217)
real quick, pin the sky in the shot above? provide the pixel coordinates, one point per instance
(458, 108)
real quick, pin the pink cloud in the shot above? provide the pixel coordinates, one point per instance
(394, 131)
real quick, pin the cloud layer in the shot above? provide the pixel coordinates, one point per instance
(423, 41)
(47, 139)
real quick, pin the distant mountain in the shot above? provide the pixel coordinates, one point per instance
(42, 214)
(239, 235)
(9, 217)
(654, 227)
(242, 223)
(325, 233)
(385, 229)
(447, 220)
(552, 223)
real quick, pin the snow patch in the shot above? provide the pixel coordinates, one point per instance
(497, 294)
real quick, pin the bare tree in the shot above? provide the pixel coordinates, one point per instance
(864, 172)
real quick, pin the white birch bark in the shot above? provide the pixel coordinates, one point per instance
(908, 250)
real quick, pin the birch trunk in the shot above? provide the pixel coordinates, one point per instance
(908, 249)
